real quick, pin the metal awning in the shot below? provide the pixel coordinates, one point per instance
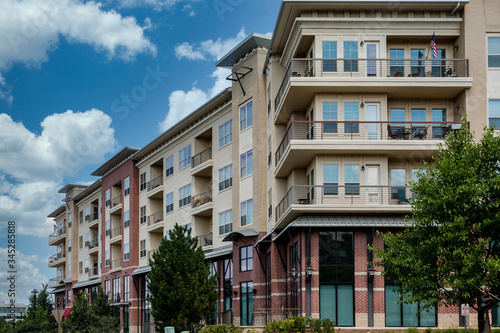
(57, 290)
(87, 283)
(142, 270)
(248, 232)
(265, 238)
(219, 252)
(370, 221)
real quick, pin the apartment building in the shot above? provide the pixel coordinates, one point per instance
(285, 177)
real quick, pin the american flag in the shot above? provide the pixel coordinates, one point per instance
(55, 227)
(433, 46)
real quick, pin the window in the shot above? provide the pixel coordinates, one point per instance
(351, 112)
(397, 115)
(126, 185)
(69, 295)
(142, 248)
(417, 67)
(246, 258)
(81, 216)
(116, 290)
(439, 130)
(226, 177)
(398, 181)
(80, 242)
(493, 52)
(108, 259)
(329, 52)
(86, 265)
(169, 166)
(225, 222)
(350, 52)
(107, 288)
(417, 115)
(126, 288)
(439, 66)
(142, 181)
(185, 195)
(351, 173)
(330, 179)
(69, 244)
(329, 113)
(225, 133)
(108, 201)
(80, 267)
(246, 212)
(143, 214)
(126, 252)
(169, 202)
(494, 112)
(87, 239)
(336, 276)
(126, 217)
(185, 157)
(270, 203)
(246, 116)
(70, 220)
(405, 314)
(108, 227)
(246, 163)
(397, 67)
(87, 214)
(246, 289)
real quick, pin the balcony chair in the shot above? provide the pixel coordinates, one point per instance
(402, 196)
(421, 134)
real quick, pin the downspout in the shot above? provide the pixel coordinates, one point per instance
(308, 281)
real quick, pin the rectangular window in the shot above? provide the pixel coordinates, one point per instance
(225, 133)
(70, 220)
(80, 215)
(126, 217)
(169, 166)
(87, 239)
(246, 289)
(493, 52)
(142, 181)
(417, 66)
(246, 117)
(330, 113)
(225, 222)
(494, 112)
(69, 295)
(439, 130)
(330, 179)
(336, 276)
(397, 66)
(246, 258)
(80, 267)
(126, 252)
(439, 66)
(226, 177)
(329, 52)
(351, 174)
(108, 198)
(107, 259)
(143, 214)
(246, 163)
(87, 214)
(185, 195)
(169, 202)
(417, 115)
(350, 52)
(107, 288)
(126, 288)
(86, 265)
(116, 290)
(398, 181)
(142, 248)
(108, 227)
(351, 113)
(80, 242)
(126, 185)
(246, 212)
(185, 157)
(405, 314)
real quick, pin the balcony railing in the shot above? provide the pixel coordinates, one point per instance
(364, 130)
(150, 253)
(201, 157)
(394, 68)
(117, 263)
(56, 280)
(57, 256)
(93, 272)
(154, 183)
(94, 216)
(201, 199)
(155, 218)
(115, 232)
(57, 233)
(116, 200)
(93, 243)
(344, 195)
(206, 239)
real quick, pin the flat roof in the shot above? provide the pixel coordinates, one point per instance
(59, 210)
(88, 190)
(122, 155)
(250, 43)
(69, 186)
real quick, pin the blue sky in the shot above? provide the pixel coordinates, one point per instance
(80, 80)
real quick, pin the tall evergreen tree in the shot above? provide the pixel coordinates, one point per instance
(182, 290)
(39, 316)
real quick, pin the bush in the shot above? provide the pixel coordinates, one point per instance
(299, 324)
(221, 328)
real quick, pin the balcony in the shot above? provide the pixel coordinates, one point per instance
(115, 235)
(57, 236)
(116, 264)
(116, 204)
(57, 259)
(202, 204)
(303, 140)
(398, 78)
(150, 253)
(202, 163)
(93, 246)
(94, 220)
(155, 222)
(155, 187)
(206, 240)
(93, 273)
(57, 281)
(303, 199)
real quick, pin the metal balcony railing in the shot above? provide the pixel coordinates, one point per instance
(154, 183)
(201, 199)
(150, 253)
(116, 200)
(206, 239)
(56, 280)
(155, 218)
(93, 272)
(115, 232)
(57, 256)
(365, 130)
(93, 243)
(358, 67)
(201, 157)
(57, 233)
(94, 216)
(117, 263)
(343, 195)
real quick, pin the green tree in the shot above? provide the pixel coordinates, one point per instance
(5, 327)
(449, 252)
(39, 316)
(182, 291)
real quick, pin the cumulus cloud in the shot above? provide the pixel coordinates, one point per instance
(156, 4)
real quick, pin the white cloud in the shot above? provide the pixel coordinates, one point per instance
(156, 4)
(5, 92)
(185, 50)
(189, 9)
(180, 104)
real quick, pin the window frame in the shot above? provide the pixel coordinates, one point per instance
(491, 117)
(246, 115)
(226, 137)
(227, 182)
(126, 186)
(169, 166)
(246, 164)
(330, 186)
(246, 212)
(185, 198)
(185, 157)
(491, 57)
(225, 222)
(169, 202)
(142, 181)
(246, 258)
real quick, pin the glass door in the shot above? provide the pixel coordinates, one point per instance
(372, 67)
(372, 184)
(373, 114)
